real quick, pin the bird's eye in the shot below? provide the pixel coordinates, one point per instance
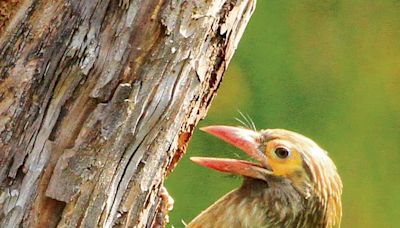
(282, 152)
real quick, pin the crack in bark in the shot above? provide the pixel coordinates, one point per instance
(109, 103)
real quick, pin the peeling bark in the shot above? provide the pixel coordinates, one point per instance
(98, 100)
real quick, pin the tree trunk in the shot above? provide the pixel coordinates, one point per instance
(98, 100)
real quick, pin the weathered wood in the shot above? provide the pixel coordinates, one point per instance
(98, 100)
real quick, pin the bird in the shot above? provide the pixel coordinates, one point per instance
(291, 182)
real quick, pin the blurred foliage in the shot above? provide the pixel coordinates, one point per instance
(328, 69)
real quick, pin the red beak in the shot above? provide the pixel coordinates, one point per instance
(244, 139)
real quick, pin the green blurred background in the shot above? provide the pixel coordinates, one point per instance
(329, 70)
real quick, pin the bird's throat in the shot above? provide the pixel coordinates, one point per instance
(258, 204)
(232, 210)
(255, 204)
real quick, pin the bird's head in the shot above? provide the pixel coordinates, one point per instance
(282, 154)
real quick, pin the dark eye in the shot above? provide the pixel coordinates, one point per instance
(282, 152)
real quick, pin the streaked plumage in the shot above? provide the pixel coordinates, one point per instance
(302, 189)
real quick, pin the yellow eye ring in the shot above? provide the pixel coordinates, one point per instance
(282, 152)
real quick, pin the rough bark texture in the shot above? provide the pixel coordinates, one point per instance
(98, 100)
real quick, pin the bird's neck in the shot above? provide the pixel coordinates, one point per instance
(255, 204)
(235, 209)
(260, 204)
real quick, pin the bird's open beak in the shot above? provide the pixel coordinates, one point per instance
(244, 139)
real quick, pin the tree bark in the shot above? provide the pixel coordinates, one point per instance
(98, 100)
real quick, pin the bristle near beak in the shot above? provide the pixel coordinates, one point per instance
(246, 140)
